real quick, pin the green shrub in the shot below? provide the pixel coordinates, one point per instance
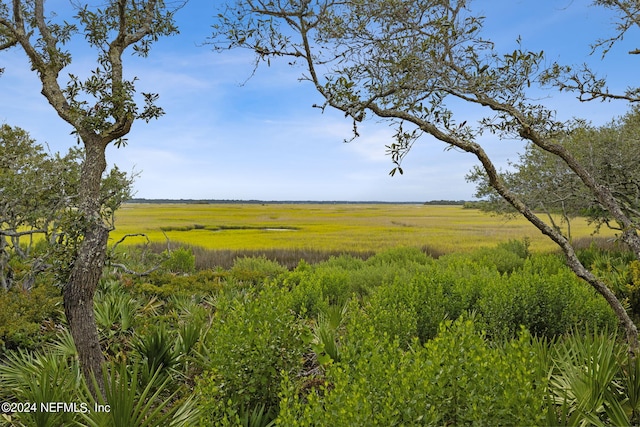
(181, 260)
(518, 247)
(365, 280)
(345, 262)
(251, 343)
(400, 257)
(166, 285)
(455, 379)
(255, 270)
(501, 258)
(408, 309)
(28, 318)
(544, 296)
(315, 289)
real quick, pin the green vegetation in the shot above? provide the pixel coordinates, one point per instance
(495, 336)
(327, 227)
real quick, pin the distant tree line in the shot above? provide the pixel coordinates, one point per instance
(287, 202)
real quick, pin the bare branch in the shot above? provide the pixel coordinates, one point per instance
(135, 273)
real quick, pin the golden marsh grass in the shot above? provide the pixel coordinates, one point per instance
(331, 227)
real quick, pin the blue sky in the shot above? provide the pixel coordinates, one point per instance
(263, 140)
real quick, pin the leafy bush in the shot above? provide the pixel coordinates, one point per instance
(545, 297)
(400, 257)
(313, 290)
(255, 270)
(455, 379)
(28, 318)
(502, 258)
(518, 247)
(166, 285)
(251, 343)
(345, 262)
(408, 309)
(334, 282)
(181, 260)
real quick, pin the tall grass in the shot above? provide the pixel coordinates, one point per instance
(328, 228)
(287, 257)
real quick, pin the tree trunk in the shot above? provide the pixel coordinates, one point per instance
(78, 303)
(5, 279)
(87, 269)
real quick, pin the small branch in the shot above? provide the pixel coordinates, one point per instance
(126, 236)
(128, 270)
(8, 44)
(12, 233)
(135, 273)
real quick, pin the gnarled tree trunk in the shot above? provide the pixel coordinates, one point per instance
(88, 266)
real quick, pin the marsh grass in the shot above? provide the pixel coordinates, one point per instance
(327, 228)
(286, 257)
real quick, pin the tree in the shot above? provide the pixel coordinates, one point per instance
(412, 63)
(100, 108)
(610, 153)
(38, 205)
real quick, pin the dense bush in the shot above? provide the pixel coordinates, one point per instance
(544, 296)
(505, 257)
(29, 318)
(408, 309)
(180, 260)
(458, 378)
(167, 285)
(255, 270)
(251, 343)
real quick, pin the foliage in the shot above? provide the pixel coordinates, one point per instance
(457, 378)
(545, 297)
(593, 381)
(619, 269)
(326, 334)
(506, 257)
(252, 342)
(321, 345)
(28, 318)
(166, 285)
(181, 260)
(38, 220)
(128, 406)
(39, 378)
(36, 185)
(255, 270)
(609, 153)
(407, 310)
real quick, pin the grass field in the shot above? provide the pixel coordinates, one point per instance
(331, 227)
